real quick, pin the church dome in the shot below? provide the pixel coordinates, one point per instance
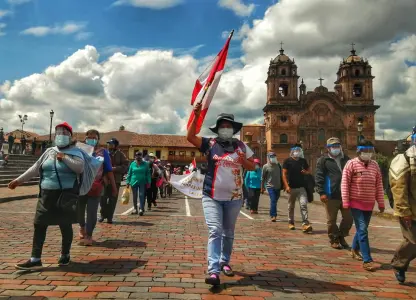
(321, 89)
(282, 57)
(353, 57)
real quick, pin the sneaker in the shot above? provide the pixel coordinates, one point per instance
(307, 228)
(213, 279)
(343, 243)
(400, 276)
(64, 260)
(109, 221)
(135, 212)
(273, 219)
(82, 233)
(30, 266)
(355, 254)
(101, 219)
(336, 246)
(141, 212)
(291, 226)
(226, 269)
(369, 266)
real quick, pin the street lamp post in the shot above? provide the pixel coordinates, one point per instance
(23, 120)
(51, 113)
(360, 130)
(262, 141)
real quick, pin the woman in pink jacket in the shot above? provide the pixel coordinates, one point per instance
(361, 187)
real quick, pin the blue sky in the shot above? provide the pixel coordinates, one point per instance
(193, 23)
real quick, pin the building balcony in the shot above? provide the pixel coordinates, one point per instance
(186, 159)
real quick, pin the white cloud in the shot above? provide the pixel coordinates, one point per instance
(4, 13)
(238, 7)
(239, 34)
(149, 90)
(152, 4)
(65, 29)
(2, 26)
(82, 36)
(18, 2)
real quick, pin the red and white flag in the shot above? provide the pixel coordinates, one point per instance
(192, 166)
(207, 84)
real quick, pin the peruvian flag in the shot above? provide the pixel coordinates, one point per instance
(192, 166)
(207, 84)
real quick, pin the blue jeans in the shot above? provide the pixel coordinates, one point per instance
(360, 241)
(90, 205)
(221, 217)
(274, 195)
(139, 190)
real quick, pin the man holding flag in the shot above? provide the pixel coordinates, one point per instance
(227, 156)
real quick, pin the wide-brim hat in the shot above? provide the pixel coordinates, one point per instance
(229, 118)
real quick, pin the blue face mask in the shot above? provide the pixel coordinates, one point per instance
(335, 151)
(91, 142)
(62, 140)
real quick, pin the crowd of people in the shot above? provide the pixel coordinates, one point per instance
(74, 184)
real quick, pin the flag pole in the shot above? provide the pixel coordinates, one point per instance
(209, 84)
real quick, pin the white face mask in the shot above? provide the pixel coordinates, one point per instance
(366, 156)
(225, 133)
(296, 154)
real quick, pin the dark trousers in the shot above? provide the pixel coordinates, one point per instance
(151, 193)
(335, 232)
(90, 205)
(253, 198)
(406, 252)
(39, 237)
(109, 202)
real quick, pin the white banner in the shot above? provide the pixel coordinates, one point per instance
(189, 185)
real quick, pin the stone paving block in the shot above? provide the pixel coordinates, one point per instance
(112, 295)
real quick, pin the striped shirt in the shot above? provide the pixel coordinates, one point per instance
(361, 185)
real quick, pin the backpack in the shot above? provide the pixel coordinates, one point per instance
(388, 188)
(98, 184)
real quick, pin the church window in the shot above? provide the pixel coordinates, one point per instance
(321, 135)
(283, 138)
(283, 119)
(283, 72)
(283, 89)
(357, 72)
(357, 90)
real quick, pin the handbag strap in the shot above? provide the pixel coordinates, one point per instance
(57, 173)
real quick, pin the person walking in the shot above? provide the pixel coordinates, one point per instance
(89, 203)
(151, 193)
(34, 146)
(402, 177)
(361, 187)
(10, 141)
(59, 169)
(120, 165)
(139, 178)
(272, 180)
(328, 185)
(222, 188)
(294, 170)
(253, 183)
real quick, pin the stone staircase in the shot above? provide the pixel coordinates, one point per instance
(17, 165)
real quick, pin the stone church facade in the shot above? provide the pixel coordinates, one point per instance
(294, 115)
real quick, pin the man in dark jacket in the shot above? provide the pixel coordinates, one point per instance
(328, 185)
(120, 166)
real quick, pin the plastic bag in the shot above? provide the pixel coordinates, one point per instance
(125, 197)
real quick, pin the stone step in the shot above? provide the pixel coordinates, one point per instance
(24, 184)
(7, 180)
(19, 164)
(9, 171)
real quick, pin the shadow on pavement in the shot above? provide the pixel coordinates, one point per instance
(96, 267)
(282, 281)
(115, 244)
(382, 251)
